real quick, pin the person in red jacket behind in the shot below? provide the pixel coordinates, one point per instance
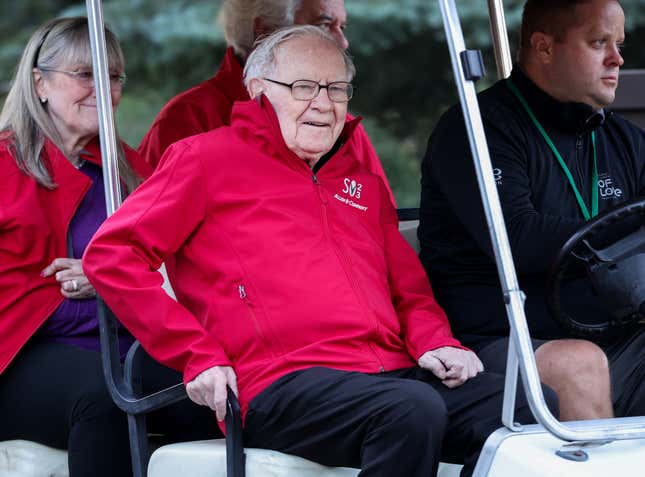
(295, 286)
(52, 201)
(208, 105)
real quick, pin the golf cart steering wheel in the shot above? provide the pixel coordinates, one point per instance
(616, 268)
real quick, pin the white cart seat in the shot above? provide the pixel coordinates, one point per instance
(27, 459)
(208, 459)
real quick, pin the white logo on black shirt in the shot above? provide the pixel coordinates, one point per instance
(607, 188)
(497, 174)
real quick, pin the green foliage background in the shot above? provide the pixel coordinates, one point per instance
(404, 78)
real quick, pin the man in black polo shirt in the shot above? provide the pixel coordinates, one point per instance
(567, 72)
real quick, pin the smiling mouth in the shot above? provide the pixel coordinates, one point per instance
(316, 124)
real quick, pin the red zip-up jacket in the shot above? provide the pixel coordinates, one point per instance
(33, 231)
(208, 106)
(275, 268)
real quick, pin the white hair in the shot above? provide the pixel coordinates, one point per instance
(237, 18)
(262, 60)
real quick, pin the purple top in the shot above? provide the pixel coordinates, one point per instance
(75, 321)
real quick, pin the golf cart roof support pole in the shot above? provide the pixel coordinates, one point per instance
(510, 389)
(107, 132)
(602, 429)
(499, 34)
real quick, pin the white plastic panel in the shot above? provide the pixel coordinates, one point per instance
(534, 455)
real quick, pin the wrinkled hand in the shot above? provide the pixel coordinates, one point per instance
(209, 388)
(454, 366)
(69, 274)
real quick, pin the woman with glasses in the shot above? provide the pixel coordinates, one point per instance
(51, 202)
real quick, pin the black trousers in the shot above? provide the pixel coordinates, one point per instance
(393, 424)
(626, 357)
(55, 394)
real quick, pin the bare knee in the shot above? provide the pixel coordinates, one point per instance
(571, 360)
(578, 371)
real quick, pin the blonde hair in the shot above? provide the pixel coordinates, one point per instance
(25, 121)
(237, 17)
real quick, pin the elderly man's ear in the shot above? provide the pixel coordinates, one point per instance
(255, 88)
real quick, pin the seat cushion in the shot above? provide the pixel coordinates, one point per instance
(28, 459)
(208, 459)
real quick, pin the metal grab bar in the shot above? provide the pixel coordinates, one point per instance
(107, 131)
(599, 430)
(499, 35)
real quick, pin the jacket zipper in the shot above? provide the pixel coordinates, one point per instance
(344, 264)
(245, 299)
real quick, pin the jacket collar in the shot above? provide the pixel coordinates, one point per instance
(571, 117)
(256, 121)
(229, 77)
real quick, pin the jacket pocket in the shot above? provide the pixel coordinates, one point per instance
(252, 311)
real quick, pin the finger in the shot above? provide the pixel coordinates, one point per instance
(433, 364)
(232, 381)
(453, 383)
(70, 286)
(220, 395)
(195, 395)
(479, 365)
(474, 368)
(70, 274)
(56, 265)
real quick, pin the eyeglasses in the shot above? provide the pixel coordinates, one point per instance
(305, 90)
(86, 78)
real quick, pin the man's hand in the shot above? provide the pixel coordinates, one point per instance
(69, 274)
(209, 388)
(454, 366)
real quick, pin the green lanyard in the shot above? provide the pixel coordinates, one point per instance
(565, 169)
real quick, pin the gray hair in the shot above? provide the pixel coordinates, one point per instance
(237, 18)
(262, 61)
(24, 120)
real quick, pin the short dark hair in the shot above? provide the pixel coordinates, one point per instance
(553, 17)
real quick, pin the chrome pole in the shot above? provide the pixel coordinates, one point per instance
(602, 429)
(499, 35)
(107, 132)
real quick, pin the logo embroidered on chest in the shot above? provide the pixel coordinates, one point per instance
(354, 190)
(607, 188)
(497, 175)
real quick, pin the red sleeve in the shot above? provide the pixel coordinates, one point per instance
(122, 260)
(423, 322)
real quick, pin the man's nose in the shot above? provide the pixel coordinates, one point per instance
(614, 57)
(322, 100)
(339, 35)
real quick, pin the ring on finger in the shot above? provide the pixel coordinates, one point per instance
(75, 286)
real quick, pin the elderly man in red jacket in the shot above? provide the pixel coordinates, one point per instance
(208, 105)
(295, 286)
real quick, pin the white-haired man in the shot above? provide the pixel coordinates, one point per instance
(296, 287)
(208, 105)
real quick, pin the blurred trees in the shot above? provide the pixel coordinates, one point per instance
(404, 76)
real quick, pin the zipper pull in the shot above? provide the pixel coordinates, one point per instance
(242, 291)
(579, 142)
(314, 178)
